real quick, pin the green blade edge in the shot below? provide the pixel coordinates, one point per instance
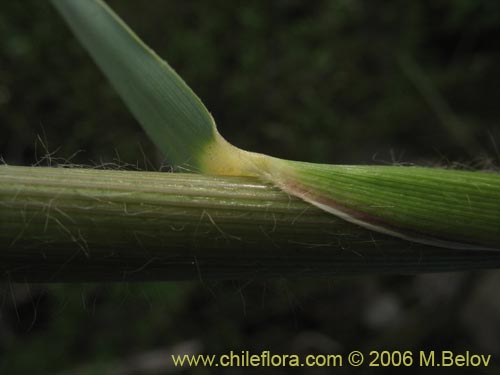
(168, 110)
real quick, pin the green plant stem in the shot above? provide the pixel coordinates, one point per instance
(61, 224)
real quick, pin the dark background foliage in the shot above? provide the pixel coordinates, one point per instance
(345, 81)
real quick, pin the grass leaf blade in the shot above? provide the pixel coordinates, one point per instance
(172, 115)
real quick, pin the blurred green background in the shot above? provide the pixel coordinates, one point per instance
(346, 81)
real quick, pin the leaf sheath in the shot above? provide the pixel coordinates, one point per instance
(62, 224)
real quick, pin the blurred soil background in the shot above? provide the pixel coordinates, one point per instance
(346, 81)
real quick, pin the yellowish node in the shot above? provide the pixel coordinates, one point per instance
(222, 158)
